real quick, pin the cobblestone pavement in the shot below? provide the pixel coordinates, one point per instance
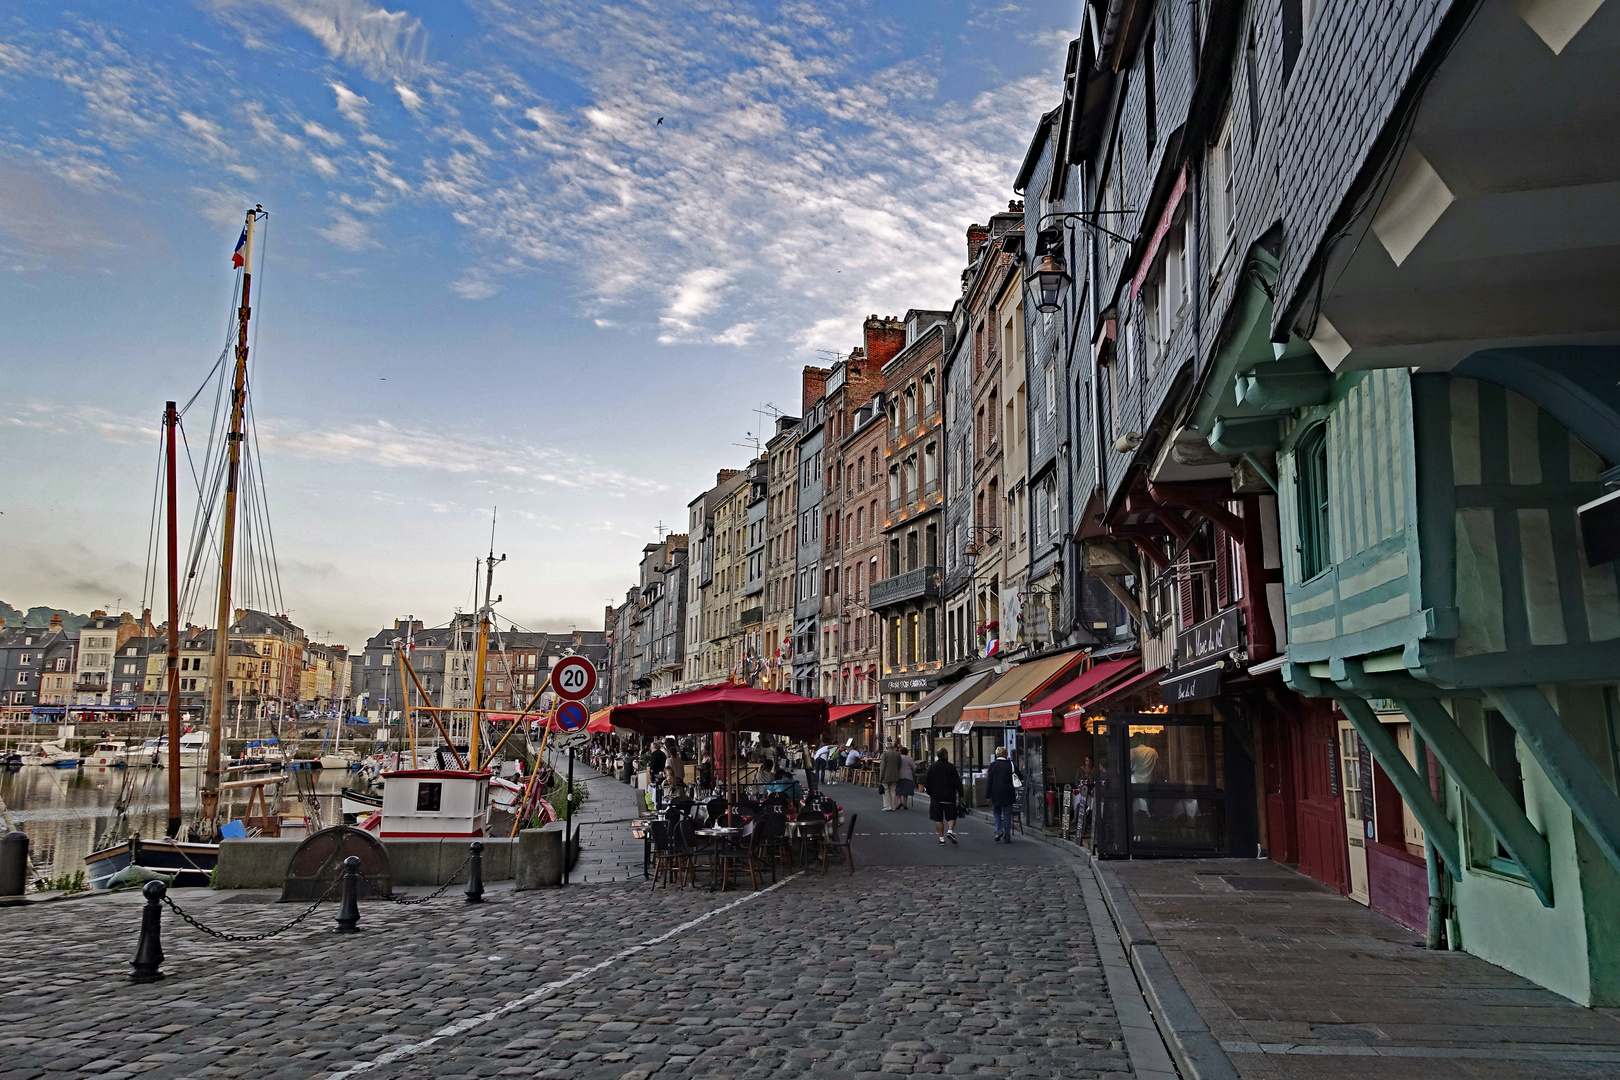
(907, 966)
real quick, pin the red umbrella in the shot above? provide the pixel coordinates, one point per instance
(725, 707)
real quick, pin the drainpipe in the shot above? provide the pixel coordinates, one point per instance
(1434, 935)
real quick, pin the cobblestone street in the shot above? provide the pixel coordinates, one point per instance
(905, 967)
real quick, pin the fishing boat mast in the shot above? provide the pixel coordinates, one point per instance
(171, 421)
(233, 448)
(483, 647)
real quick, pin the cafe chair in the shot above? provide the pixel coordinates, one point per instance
(667, 863)
(738, 853)
(832, 847)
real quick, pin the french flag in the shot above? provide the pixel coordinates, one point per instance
(236, 256)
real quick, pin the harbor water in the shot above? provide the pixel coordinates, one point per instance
(68, 813)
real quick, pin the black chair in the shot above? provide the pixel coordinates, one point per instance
(715, 808)
(694, 850)
(834, 846)
(812, 826)
(666, 859)
(739, 852)
(770, 833)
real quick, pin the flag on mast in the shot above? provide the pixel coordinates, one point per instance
(236, 256)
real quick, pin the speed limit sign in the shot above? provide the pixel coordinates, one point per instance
(573, 678)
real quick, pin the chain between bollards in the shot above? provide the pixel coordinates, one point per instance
(475, 873)
(149, 950)
(348, 916)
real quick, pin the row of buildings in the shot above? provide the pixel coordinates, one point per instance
(1263, 472)
(116, 667)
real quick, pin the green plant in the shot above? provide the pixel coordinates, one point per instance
(68, 883)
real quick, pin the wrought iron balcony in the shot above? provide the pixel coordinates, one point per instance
(919, 584)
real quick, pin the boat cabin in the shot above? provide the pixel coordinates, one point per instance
(435, 802)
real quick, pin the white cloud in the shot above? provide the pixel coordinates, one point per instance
(349, 232)
(315, 131)
(408, 97)
(351, 105)
(382, 43)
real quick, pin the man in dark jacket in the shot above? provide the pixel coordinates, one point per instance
(889, 775)
(944, 785)
(1002, 793)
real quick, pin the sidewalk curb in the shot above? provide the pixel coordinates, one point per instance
(1197, 1051)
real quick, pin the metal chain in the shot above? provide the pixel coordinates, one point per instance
(442, 889)
(211, 932)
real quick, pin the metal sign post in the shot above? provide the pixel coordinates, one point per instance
(568, 825)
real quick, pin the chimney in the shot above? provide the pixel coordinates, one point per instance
(607, 618)
(723, 475)
(883, 338)
(55, 623)
(815, 386)
(977, 237)
(241, 613)
(98, 614)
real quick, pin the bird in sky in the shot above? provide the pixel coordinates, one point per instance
(660, 120)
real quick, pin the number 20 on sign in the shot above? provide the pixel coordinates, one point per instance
(573, 678)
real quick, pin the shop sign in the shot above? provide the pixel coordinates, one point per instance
(1213, 637)
(910, 682)
(1193, 686)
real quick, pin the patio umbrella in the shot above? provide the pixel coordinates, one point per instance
(727, 708)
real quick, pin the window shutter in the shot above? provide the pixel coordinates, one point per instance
(1184, 588)
(1223, 569)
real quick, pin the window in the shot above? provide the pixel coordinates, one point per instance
(429, 797)
(928, 392)
(1222, 212)
(1502, 747)
(930, 467)
(1311, 464)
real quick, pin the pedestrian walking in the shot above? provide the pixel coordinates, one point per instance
(1002, 792)
(944, 786)
(906, 786)
(889, 776)
(822, 753)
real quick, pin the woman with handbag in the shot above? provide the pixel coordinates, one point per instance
(1001, 785)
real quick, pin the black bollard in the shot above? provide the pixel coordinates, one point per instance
(149, 951)
(475, 873)
(348, 916)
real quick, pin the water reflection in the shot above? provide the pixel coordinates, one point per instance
(68, 813)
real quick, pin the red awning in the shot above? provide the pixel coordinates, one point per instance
(853, 714)
(1075, 719)
(725, 707)
(1039, 715)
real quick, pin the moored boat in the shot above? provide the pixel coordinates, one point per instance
(192, 864)
(51, 755)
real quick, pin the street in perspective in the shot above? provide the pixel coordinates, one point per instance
(599, 541)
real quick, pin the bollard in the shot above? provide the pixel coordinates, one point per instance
(348, 916)
(475, 873)
(149, 951)
(13, 864)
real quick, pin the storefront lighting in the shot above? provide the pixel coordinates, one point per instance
(1050, 278)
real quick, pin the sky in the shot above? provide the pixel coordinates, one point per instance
(491, 281)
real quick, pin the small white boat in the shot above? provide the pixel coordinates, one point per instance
(194, 751)
(50, 754)
(340, 759)
(150, 753)
(108, 755)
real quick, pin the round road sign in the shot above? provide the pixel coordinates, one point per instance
(573, 678)
(571, 716)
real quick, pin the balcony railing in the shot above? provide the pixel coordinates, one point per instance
(921, 583)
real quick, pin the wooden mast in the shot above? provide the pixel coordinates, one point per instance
(171, 421)
(222, 625)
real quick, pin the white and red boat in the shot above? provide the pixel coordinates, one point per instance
(423, 803)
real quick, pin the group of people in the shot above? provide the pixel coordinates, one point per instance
(897, 773)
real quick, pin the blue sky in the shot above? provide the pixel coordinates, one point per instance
(491, 277)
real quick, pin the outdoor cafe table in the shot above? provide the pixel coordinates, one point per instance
(718, 833)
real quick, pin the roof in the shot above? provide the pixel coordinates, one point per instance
(1040, 714)
(1004, 699)
(853, 714)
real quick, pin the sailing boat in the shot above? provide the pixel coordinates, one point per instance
(192, 863)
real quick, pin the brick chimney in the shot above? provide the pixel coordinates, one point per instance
(977, 237)
(55, 623)
(725, 474)
(884, 338)
(815, 386)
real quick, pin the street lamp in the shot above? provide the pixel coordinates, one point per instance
(1050, 277)
(991, 533)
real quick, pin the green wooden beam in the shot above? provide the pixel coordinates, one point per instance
(1567, 765)
(1413, 788)
(1484, 789)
